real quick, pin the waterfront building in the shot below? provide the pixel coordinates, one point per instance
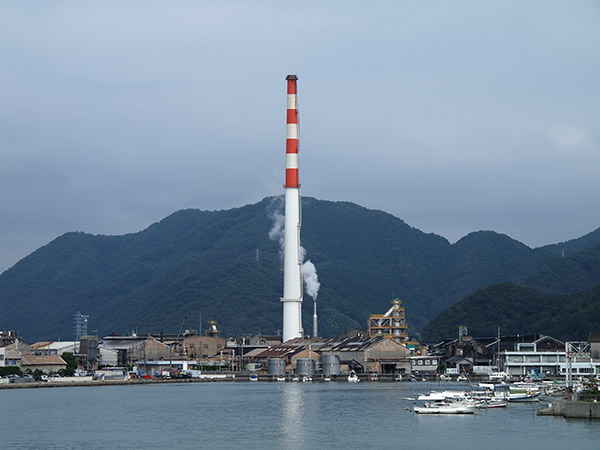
(9, 357)
(45, 363)
(424, 365)
(54, 347)
(197, 346)
(547, 356)
(370, 355)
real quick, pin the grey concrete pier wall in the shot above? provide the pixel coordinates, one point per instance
(572, 410)
(582, 410)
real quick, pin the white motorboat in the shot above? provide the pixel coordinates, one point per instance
(498, 377)
(306, 379)
(445, 408)
(281, 379)
(495, 403)
(524, 396)
(524, 392)
(253, 377)
(353, 378)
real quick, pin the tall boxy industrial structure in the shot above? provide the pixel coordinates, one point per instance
(292, 265)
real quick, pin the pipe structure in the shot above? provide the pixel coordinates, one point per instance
(315, 320)
(292, 265)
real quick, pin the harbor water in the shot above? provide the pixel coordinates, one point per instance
(271, 415)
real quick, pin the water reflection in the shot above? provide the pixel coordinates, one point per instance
(292, 420)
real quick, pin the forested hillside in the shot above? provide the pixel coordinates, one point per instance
(519, 310)
(567, 274)
(222, 265)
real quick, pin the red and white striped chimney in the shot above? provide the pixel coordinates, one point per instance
(291, 148)
(292, 265)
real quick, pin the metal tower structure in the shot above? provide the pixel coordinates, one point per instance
(80, 325)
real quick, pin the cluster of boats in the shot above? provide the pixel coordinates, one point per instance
(484, 396)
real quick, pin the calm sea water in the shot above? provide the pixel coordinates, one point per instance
(265, 415)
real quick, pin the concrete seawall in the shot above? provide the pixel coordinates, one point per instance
(572, 410)
(582, 410)
(88, 383)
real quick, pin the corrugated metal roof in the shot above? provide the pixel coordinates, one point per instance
(39, 360)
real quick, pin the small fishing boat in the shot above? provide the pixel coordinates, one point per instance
(495, 403)
(524, 397)
(353, 378)
(445, 408)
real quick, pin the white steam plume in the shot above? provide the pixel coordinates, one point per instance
(277, 234)
(311, 279)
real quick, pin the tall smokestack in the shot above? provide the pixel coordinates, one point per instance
(292, 265)
(315, 320)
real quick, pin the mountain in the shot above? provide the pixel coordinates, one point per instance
(567, 274)
(482, 258)
(519, 310)
(535, 304)
(222, 265)
(575, 245)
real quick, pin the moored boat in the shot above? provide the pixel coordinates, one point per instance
(445, 408)
(353, 378)
(524, 397)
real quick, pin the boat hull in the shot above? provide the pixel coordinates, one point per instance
(445, 409)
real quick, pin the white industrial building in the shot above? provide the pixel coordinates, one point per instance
(529, 360)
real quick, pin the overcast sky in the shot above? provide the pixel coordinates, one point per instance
(453, 116)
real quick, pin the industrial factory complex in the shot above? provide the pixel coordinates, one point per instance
(381, 351)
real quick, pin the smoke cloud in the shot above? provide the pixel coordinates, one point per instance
(277, 234)
(311, 279)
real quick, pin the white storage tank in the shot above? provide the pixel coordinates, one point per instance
(331, 364)
(305, 366)
(276, 366)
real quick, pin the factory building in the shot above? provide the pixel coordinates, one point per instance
(378, 355)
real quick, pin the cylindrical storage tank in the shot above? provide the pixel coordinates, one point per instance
(276, 366)
(331, 364)
(305, 366)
